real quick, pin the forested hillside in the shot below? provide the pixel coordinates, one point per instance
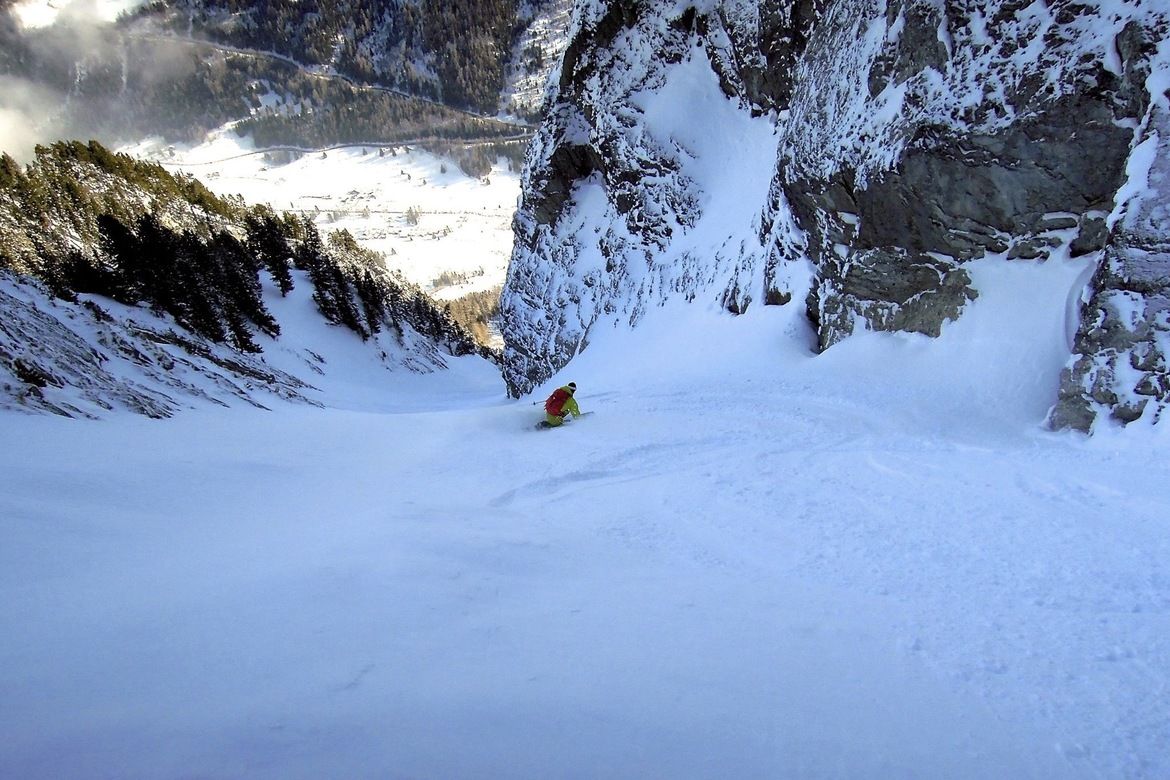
(450, 50)
(291, 73)
(82, 221)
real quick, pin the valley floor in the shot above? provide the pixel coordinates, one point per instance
(443, 230)
(813, 567)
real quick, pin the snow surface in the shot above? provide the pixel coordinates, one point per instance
(464, 226)
(750, 561)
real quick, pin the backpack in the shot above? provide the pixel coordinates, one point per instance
(556, 402)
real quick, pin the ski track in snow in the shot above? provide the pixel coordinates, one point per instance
(749, 562)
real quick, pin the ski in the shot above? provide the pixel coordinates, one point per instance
(543, 424)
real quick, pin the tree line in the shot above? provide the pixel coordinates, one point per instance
(85, 220)
(320, 112)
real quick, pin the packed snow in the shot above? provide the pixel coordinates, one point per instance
(748, 561)
(420, 210)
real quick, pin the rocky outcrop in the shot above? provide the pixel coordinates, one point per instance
(951, 133)
(1119, 369)
(618, 183)
(996, 129)
(910, 138)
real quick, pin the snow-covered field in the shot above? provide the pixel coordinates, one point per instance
(464, 224)
(748, 562)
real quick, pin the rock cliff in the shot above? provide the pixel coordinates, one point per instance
(900, 140)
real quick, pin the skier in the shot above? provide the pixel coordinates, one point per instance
(560, 405)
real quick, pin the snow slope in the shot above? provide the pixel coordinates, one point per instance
(92, 356)
(749, 562)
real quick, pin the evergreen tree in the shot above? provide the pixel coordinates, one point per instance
(243, 302)
(200, 311)
(267, 240)
(310, 252)
(154, 265)
(120, 244)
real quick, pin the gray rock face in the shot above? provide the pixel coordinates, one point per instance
(961, 197)
(1119, 369)
(890, 289)
(913, 136)
(607, 204)
(1011, 171)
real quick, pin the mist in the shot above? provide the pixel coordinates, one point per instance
(33, 14)
(29, 114)
(45, 51)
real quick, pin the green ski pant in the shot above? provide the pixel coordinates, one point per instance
(552, 420)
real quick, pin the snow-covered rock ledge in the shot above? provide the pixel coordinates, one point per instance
(1119, 368)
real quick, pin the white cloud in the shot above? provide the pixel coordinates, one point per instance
(26, 112)
(42, 13)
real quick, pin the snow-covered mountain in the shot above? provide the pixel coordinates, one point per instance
(454, 51)
(852, 158)
(535, 55)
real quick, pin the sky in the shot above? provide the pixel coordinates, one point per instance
(29, 111)
(42, 13)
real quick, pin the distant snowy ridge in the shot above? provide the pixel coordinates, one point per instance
(898, 142)
(286, 73)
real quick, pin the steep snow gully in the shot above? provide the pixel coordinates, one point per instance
(750, 562)
(753, 561)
